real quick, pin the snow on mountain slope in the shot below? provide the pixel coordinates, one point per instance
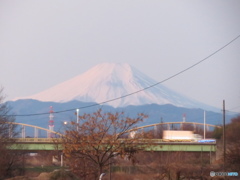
(108, 81)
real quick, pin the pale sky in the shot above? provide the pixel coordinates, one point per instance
(45, 42)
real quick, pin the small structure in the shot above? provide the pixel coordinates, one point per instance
(51, 122)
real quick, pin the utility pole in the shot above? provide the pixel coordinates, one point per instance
(77, 118)
(224, 137)
(204, 128)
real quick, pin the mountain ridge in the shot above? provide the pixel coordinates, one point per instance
(37, 112)
(34, 112)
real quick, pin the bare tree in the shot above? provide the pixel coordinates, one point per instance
(6, 128)
(7, 131)
(91, 145)
(233, 144)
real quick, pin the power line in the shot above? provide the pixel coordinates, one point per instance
(160, 82)
(233, 108)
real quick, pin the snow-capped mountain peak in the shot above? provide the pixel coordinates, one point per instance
(109, 81)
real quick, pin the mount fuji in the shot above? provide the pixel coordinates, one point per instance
(117, 85)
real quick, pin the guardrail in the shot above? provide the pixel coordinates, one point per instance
(140, 141)
(36, 139)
